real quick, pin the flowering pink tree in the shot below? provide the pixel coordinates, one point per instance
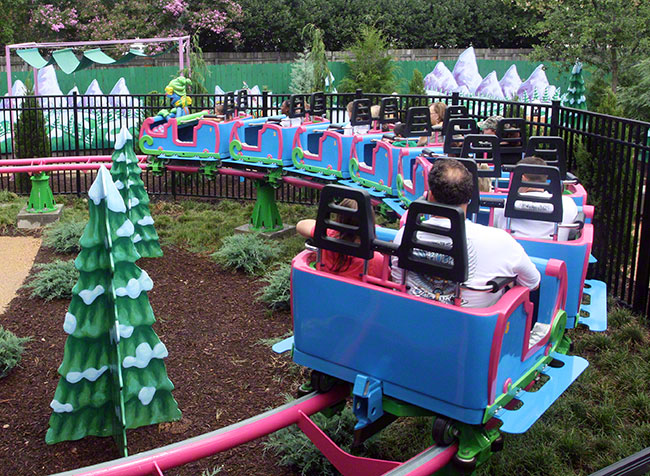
(95, 20)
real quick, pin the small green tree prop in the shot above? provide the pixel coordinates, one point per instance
(126, 173)
(575, 96)
(31, 140)
(112, 375)
(416, 85)
(370, 65)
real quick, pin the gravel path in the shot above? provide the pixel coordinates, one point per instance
(16, 258)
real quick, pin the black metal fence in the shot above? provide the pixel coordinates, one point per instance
(609, 154)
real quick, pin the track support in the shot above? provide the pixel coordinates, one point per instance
(41, 199)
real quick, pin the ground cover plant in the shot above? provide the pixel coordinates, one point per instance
(53, 280)
(11, 350)
(63, 236)
(224, 371)
(248, 252)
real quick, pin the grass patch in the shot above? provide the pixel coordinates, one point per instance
(10, 205)
(11, 350)
(55, 280)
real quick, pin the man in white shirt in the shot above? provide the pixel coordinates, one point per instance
(491, 252)
(536, 228)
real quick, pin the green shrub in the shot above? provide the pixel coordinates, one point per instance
(247, 252)
(416, 85)
(277, 292)
(11, 349)
(63, 236)
(55, 280)
(7, 197)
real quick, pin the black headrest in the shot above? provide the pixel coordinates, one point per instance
(512, 132)
(486, 150)
(242, 100)
(550, 148)
(229, 104)
(317, 105)
(548, 208)
(296, 105)
(361, 112)
(453, 112)
(455, 133)
(418, 122)
(388, 110)
(445, 258)
(364, 231)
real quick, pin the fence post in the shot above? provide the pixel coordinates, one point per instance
(174, 185)
(76, 138)
(358, 94)
(555, 117)
(642, 281)
(454, 98)
(265, 96)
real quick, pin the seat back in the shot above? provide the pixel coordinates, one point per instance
(418, 122)
(296, 106)
(542, 208)
(361, 113)
(388, 110)
(485, 149)
(512, 135)
(455, 134)
(363, 232)
(453, 112)
(229, 106)
(550, 148)
(242, 100)
(317, 105)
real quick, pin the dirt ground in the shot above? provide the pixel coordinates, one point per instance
(17, 255)
(222, 373)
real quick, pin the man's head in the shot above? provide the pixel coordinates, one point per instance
(450, 183)
(533, 161)
(284, 108)
(489, 126)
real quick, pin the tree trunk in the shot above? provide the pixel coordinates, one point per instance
(614, 71)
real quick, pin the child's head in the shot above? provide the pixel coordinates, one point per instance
(437, 112)
(349, 108)
(399, 129)
(285, 107)
(218, 109)
(342, 261)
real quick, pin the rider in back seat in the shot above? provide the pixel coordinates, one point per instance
(491, 252)
(535, 228)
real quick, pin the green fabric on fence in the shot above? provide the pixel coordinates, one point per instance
(33, 57)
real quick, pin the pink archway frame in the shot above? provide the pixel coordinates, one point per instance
(183, 51)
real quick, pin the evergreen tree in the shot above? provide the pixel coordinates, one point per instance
(112, 375)
(416, 85)
(302, 75)
(575, 96)
(371, 67)
(318, 58)
(126, 173)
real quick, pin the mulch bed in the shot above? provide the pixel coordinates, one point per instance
(211, 324)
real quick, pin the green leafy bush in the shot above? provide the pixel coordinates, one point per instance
(247, 252)
(7, 197)
(277, 292)
(416, 85)
(63, 236)
(55, 280)
(11, 349)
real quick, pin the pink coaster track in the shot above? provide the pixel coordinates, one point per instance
(154, 462)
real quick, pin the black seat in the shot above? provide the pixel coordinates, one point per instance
(317, 106)
(296, 106)
(388, 110)
(458, 128)
(242, 100)
(512, 134)
(418, 122)
(453, 112)
(485, 149)
(229, 106)
(361, 113)
(550, 148)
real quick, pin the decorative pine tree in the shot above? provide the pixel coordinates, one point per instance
(126, 173)
(535, 97)
(575, 95)
(524, 96)
(545, 96)
(112, 375)
(557, 96)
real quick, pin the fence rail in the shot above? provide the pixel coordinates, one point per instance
(609, 154)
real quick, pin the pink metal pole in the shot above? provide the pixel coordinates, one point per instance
(181, 55)
(8, 65)
(54, 160)
(160, 459)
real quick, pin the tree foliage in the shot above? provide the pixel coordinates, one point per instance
(635, 98)
(370, 65)
(416, 85)
(31, 138)
(609, 34)
(302, 75)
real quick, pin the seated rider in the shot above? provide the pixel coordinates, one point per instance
(536, 228)
(491, 252)
(176, 91)
(489, 126)
(437, 113)
(285, 107)
(337, 263)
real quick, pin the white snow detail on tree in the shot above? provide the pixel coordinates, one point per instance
(143, 355)
(122, 137)
(126, 229)
(121, 158)
(104, 188)
(126, 331)
(70, 323)
(89, 295)
(137, 238)
(145, 395)
(119, 184)
(135, 286)
(61, 407)
(133, 202)
(91, 374)
(146, 220)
